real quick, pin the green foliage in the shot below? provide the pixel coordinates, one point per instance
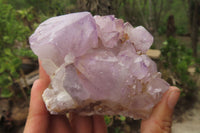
(51, 7)
(181, 30)
(62, 6)
(24, 52)
(9, 64)
(17, 4)
(26, 13)
(13, 34)
(122, 118)
(178, 58)
(162, 29)
(40, 5)
(118, 130)
(108, 119)
(10, 29)
(6, 93)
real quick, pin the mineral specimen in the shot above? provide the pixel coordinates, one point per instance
(97, 65)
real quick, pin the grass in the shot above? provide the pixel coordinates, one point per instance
(184, 40)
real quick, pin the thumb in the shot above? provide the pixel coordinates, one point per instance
(161, 118)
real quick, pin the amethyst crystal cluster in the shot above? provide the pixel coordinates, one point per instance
(97, 65)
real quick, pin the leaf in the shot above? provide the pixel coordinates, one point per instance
(5, 93)
(8, 52)
(122, 118)
(107, 119)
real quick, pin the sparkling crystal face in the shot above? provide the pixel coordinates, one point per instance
(97, 65)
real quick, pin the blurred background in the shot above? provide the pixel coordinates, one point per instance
(176, 49)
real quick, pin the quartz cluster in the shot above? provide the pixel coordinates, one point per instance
(97, 65)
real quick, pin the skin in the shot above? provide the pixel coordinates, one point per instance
(40, 121)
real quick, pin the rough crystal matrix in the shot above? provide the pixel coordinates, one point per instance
(97, 65)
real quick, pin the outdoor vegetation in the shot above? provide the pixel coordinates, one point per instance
(173, 23)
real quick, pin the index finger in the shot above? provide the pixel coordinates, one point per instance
(38, 113)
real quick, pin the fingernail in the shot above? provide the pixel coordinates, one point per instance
(173, 98)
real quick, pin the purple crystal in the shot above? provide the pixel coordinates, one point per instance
(97, 65)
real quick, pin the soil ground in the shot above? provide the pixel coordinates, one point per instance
(190, 122)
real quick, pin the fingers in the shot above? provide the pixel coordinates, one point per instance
(99, 125)
(37, 111)
(59, 124)
(81, 124)
(40, 121)
(87, 124)
(161, 117)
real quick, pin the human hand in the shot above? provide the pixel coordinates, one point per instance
(160, 120)
(40, 121)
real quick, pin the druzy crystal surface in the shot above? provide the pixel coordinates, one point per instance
(97, 65)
